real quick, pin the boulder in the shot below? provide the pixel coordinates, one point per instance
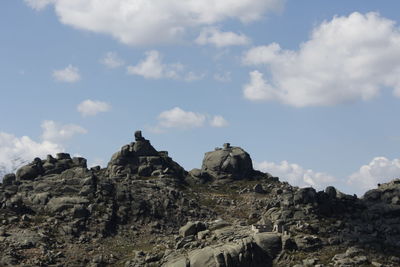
(271, 243)
(331, 192)
(28, 172)
(228, 162)
(305, 196)
(258, 189)
(242, 252)
(9, 179)
(61, 156)
(192, 228)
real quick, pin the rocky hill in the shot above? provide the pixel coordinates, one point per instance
(144, 209)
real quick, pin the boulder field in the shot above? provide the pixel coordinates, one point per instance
(144, 209)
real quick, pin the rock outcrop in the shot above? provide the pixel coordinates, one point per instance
(140, 158)
(142, 211)
(227, 163)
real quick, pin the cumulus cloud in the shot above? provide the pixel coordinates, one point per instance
(15, 151)
(152, 67)
(218, 121)
(214, 36)
(179, 118)
(56, 132)
(296, 174)
(69, 75)
(346, 59)
(182, 119)
(92, 107)
(379, 170)
(112, 60)
(143, 22)
(258, 88)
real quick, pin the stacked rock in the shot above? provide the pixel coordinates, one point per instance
(142, 159)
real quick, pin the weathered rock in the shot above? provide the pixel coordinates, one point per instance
(62, 203)
(141, 158)
(258, 189)
(228, 162)
(28, 172)
(72, 214)
(305, 196)
(269, 242)
(331, 192)
(244, 252)
(9, 179)
(192, 228)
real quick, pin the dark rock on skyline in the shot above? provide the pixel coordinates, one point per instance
(141, 158)
(227, 163)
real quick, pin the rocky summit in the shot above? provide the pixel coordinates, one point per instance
(144, 209)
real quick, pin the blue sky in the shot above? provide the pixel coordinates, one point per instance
(309, 88)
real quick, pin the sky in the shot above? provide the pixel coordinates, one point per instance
(310, 89)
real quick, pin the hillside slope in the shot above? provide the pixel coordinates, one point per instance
(144, 209)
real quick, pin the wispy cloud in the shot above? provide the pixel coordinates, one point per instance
(92, 107)
(112, 60)
(69, 75)
(213, 36)
(153, 67)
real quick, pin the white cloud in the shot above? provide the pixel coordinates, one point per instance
(70, 74)
(112, 60)
(346, 59)
(179, 118)
(143, 22)
(379, 170)
(223, 77)
(296, 175)
(92, 107)
(214, 36)
(218, 121)
(38, 4)
(152, 67)
(15, 151)
(258, 89)
(56, 132)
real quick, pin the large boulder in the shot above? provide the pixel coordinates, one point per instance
(269, 242)
(257, 251)
(228, 162)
